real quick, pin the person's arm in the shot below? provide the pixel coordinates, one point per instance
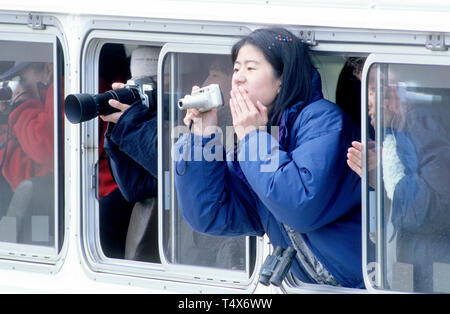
(131, 145)
(136, 135)
(417, 207)
(135, 182)
(211, 197)
(310, 186)
(421, 199)
(32, 125)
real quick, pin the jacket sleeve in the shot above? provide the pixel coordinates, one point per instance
(418, 208)
(421, 199)
(136, 134)
(211, 197)
(311, 186)
(131, 148)
(32, 125)
(135, 183)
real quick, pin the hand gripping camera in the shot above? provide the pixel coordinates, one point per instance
(83, 107)
(276, 266)
(203, 99)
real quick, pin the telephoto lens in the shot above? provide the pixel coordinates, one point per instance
(83, 107)
(7, 89)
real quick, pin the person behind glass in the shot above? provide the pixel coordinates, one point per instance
(310, 200)
(415, 155)
(28, 143)
(26, 139)
(200, 249)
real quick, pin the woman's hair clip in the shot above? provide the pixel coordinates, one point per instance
(279, 38)
(283, 39)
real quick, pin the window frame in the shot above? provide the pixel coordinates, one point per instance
(134, 272)
(40, 258)
(432, 58)
(339, 42)
(237, 277)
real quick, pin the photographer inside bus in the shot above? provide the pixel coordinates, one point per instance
(415, 163)
(128, 122)
(131, 141)
(26, 151)
(120, 233)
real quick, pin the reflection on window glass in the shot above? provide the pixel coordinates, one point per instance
(27, 210)
(182, 244)
(409, 106)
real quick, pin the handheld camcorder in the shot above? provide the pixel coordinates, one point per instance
(276, 266)
(84, 107)
(203, 99)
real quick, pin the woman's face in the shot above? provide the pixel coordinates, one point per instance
(256, 75)
(30, 77)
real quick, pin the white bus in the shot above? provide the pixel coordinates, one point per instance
(51, 236)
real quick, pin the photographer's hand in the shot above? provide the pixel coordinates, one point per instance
(114, 117)
(203, 124)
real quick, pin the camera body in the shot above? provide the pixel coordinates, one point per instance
(147, 91)
(83, 107)
(7, 89)
(203, 99)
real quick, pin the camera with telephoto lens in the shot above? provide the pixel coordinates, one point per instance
(83, 107)
(7, 89)
(276, 266)
(203, 99)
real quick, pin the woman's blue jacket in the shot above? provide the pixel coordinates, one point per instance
(301, 179)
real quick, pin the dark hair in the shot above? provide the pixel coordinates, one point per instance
(290, 58)
(114, 65)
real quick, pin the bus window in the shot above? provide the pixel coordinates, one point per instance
(183, 245)
(408, 165)
(30, 148)
(128, 227)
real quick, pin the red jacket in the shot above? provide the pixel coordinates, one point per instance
(28, 140)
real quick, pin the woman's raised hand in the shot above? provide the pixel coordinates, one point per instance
(247, 116)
